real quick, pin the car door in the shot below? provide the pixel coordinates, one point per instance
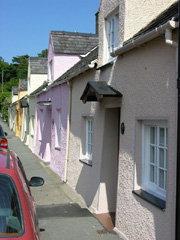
(29, 196)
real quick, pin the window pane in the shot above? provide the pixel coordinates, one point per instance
(152, 135)
(161, 158)
(152, 154)
(161, 179)
(152, 174)
(161, 137)
(166, 137)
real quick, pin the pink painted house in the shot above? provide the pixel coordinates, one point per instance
(52, 98)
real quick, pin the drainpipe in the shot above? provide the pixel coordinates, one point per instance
(69, 83)
(178, 143)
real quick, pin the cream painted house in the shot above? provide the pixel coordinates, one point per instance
(122, 146)
(37, 75)
(12, 108)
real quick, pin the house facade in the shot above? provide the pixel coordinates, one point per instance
(12, 108)
(22, 91)
(52, 102)
(122, 154)
(37, 75)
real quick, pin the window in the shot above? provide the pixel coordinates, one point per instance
(40, 124)
(11, 218)
(86, 145)
(89, 138)
(112, 34)
(155, 147)
(58, 129)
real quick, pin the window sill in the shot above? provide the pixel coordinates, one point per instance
(151, 198)
(58, 148)
(86, 161)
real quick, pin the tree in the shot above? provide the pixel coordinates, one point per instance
(43, 53)
(21, 64)
(5, 100)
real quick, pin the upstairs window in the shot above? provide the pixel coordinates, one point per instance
(112, 34)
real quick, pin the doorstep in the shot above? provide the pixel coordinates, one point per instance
(107, 220)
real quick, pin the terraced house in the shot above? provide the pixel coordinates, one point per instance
(122, 155)
(52, 103)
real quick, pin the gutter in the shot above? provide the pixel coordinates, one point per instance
(146, 37)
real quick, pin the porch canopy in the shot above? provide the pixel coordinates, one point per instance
(45, 103)
(96, 91)
(24, 104)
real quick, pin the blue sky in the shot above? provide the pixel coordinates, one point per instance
(25, 24)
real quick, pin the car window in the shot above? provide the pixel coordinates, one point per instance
(1, 131)
(23, 174)
(11, 219)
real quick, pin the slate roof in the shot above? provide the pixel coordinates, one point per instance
(38, 65)
(73, 42)
(22, 84)
(15, 90)
(161, 19)
(78, 68)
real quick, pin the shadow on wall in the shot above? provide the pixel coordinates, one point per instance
(97, 184)
(44, 151)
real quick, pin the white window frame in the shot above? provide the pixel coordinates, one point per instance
(153, 151)
(112, 34)
(89, 138)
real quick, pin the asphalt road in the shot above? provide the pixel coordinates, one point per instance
(62, 213)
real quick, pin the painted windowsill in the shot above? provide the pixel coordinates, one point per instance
(86, 161)
(151, 198)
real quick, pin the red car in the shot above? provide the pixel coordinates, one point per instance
(18, 218)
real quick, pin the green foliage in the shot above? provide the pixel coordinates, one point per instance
(21, 65)
(5, 100)
(43, 53)
(11, 73)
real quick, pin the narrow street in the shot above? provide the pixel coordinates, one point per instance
(61, 212)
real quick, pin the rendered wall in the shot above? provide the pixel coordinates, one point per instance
(147, 79)
(61, 62)
(35, 81)
(45, 146)
(83, 178)
(133, 16)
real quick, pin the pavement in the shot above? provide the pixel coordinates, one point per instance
(61, 211)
